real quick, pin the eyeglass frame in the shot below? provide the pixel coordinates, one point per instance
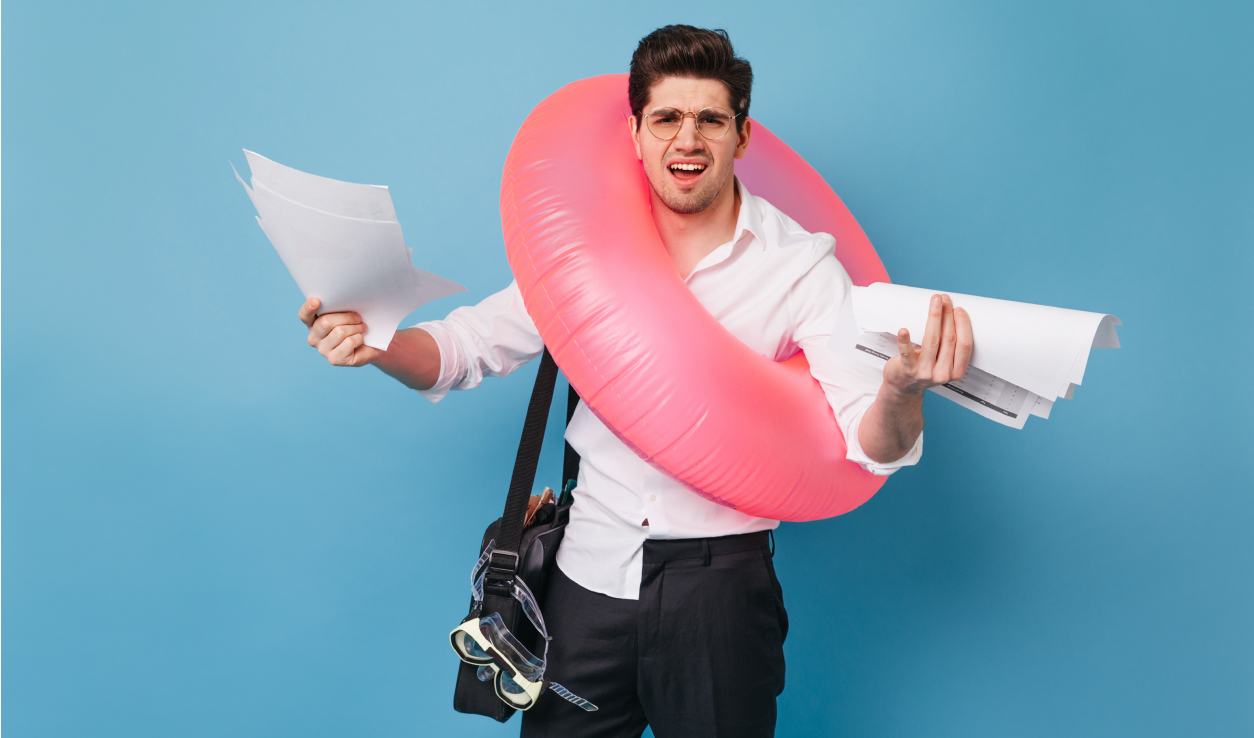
(695, 121)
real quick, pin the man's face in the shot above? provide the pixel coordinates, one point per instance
(689, 171)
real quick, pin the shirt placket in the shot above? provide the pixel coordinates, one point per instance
(653, 499)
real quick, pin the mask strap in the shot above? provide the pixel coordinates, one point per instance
(521, 592)
(480, 571)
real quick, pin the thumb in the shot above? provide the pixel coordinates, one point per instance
(364, 355)
(308, 312)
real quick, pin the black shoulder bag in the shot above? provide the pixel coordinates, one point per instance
(526, 551)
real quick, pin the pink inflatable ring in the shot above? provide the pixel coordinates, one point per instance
(678, 388)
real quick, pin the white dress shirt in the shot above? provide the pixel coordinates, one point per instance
(778, 289)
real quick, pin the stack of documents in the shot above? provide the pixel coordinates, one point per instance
(343, 245)
(1026, 356)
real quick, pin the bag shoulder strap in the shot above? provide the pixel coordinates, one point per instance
(503, 563)
(570, 464)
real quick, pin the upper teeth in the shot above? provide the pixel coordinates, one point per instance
(688, 167)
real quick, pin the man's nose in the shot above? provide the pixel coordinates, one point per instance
(688, 139)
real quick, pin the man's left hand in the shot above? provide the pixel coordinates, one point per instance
(942, 357)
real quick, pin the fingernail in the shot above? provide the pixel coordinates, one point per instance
(936, 300)
(946, 299)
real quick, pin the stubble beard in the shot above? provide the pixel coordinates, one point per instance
(693, 202)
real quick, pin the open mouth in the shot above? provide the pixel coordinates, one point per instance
(686, 171)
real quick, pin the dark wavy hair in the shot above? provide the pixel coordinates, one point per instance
(687, 51)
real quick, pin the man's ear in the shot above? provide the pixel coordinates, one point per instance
(742, 139)
(635, 136)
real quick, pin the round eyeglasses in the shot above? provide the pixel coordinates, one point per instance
(712, 123)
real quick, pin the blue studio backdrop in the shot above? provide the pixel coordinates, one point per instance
(208, 531)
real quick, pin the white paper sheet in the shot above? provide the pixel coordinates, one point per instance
(978, 391)
(1042, 407)
(342, 244)
(1040, 348)
(368, 202)
(1026, 356)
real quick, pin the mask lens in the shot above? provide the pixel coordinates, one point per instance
(471, 647)
(509, 685)
(511, 691)
(467, 647)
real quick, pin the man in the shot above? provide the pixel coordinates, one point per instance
(665, 609)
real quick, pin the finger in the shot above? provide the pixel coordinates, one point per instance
(905, 349)
(965, 342)
(343, 353)
(944, 369)
(931, 336)
(328, 322)
(337, 336)
(309, 311)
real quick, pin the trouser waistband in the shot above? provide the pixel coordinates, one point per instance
(660, 551)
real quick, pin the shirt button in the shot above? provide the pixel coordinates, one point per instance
(652, 498)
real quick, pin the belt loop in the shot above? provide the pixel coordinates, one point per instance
(705, 551)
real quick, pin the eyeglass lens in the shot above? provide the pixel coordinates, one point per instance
(712, 123)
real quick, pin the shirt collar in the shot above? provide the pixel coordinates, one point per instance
(748, 223)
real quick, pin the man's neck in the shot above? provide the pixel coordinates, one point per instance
(691, 238)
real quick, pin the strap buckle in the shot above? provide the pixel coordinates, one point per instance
(503, 562)
(502, 568)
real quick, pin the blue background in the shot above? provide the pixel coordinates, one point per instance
(208, 531)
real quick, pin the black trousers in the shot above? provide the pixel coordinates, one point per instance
(699, 654)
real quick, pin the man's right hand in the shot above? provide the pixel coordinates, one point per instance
(337, 336)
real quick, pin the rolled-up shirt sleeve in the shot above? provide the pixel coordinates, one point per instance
(490, 339)
(821, 303)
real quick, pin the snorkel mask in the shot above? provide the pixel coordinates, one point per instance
(484, 641)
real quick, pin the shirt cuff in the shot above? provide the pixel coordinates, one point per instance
(855, 454)
(450, 374)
